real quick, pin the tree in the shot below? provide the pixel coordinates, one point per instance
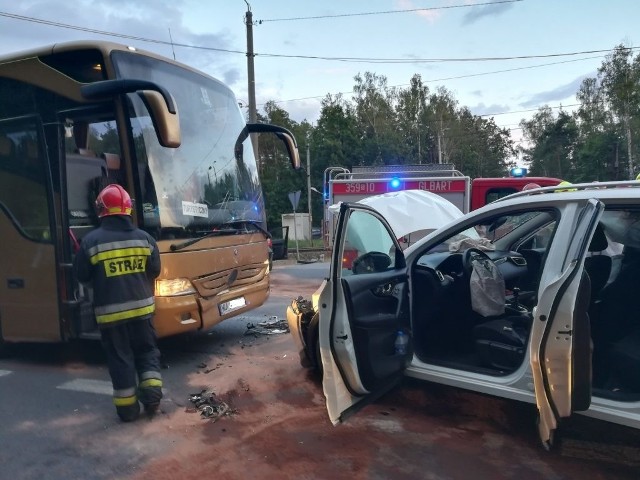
(278, 179)
(374, 101)
(553, 142)
(412, 122)
(619, 77)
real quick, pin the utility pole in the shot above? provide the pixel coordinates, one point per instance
(253, 116)
(309, 191)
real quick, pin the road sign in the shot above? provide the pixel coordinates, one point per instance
(294, 198)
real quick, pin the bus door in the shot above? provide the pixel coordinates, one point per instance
(92, 161)
(29, 307)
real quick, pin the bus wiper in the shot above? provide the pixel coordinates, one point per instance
(254, 223)
(225, 231)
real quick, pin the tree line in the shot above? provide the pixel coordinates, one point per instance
(383, 125)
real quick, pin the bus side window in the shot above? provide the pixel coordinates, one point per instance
(22, 182)
(114, 173)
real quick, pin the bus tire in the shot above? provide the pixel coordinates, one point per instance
(4, 346)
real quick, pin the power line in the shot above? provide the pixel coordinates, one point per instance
(437, 60)
(451, 78)
(362, 14)
(112, 34)
(143, 39)
(303, 57)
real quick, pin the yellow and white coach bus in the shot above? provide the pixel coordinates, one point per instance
(75, 117)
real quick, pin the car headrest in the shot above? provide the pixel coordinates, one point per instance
(599, 241)
(7, 147)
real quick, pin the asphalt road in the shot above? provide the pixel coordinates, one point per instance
(58, 421)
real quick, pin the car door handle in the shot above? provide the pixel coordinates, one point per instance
(384, 290)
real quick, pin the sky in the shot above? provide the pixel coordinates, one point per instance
(308, 49)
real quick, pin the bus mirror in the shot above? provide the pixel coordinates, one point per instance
(166, 124)
(292, 148)
(159, 102)
(282, 133)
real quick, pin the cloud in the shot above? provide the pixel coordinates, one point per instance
(559, 93)
(430, 15)
(476, 13)
(118, 16)
(482, 109)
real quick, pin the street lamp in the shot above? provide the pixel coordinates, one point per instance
(314, 189)
(215, 174)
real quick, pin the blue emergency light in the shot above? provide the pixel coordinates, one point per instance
(394, 183)
(518, 172)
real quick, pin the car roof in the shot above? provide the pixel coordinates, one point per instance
(615, 191)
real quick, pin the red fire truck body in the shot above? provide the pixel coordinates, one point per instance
(342, 185)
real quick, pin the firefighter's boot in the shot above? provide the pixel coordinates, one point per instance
(128, 413)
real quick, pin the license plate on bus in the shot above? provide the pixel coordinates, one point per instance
(231, 305)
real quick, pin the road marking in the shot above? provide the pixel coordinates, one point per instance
(5, 372)
(89, 386)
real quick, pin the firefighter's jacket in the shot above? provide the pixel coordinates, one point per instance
(122, 262)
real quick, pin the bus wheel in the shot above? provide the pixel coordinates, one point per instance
(4, 346)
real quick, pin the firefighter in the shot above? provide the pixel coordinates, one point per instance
(121, 262)
(530, 186)
(565, 184)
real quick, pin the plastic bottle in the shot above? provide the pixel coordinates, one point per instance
(401, 343)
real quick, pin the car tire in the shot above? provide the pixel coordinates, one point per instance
(313, 343)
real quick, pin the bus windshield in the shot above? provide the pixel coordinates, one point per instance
(209, 180)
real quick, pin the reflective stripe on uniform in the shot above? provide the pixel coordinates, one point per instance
(124, 397)
(150, 374)
(123, 311)
(120, 253)
(150, 378)
(151, 382)
(121, 257)
(105, 247)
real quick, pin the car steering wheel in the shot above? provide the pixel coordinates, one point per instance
(371, 262)
(469, 256)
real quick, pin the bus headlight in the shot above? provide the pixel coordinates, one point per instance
(173, 287)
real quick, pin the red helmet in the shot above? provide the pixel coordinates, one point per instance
(113, 200)
(530, 186)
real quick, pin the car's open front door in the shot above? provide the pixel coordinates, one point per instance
(560, 336)
(363, 306)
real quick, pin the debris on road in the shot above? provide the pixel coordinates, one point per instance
(273, 326)
(209, 405)
(203, 367)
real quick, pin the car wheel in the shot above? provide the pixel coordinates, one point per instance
(313, 343)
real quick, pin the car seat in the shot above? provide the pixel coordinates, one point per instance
(598, 265)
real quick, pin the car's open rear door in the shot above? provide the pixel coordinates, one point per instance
(560, 336)
(363, 306)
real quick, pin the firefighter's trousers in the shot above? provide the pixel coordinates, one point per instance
(133, 358)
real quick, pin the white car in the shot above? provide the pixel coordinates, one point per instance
(531, 298)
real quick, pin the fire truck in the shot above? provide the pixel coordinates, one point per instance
(343, 185)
